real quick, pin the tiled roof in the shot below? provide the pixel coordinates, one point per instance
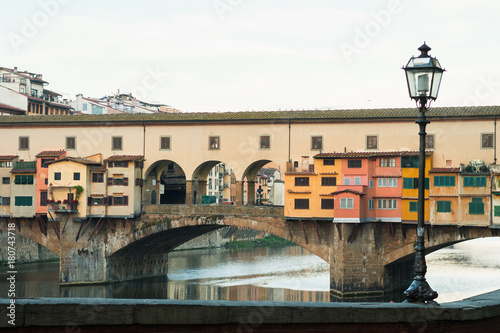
(299, 192)
(296, 173)
(11, 108)
(50, 153)
(347, 191)
(76, 160)
(444, 170)
(23, 171)
(409, 114)
(8, 157)
(99, 168)
(368, 154)
(124, 158)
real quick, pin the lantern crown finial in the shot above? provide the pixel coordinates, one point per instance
(424, 51)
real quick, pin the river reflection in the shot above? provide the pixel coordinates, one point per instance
(267, 274)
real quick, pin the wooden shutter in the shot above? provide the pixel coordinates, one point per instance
(110, 181)
(125, 200)
(125, 181)
(89, 201)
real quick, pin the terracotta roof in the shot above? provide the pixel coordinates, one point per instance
(8, 157)
(294, 173)
(369, 154)
(11, 108)
(347, 191)
(124, 158)
(41, 100)
(76, 160)
(50, 153)
(299, 192)
(23, 171)
(409, 114)
(99, 168)
(444, 170)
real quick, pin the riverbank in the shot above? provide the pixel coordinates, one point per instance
(269, 241)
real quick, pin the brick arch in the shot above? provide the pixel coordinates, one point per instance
(158, 234)
(33, 233)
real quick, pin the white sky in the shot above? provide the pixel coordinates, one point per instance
(239, 55)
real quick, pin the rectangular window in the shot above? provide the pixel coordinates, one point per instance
(116, 143)
(444, 180)
(328, 181)
(487, 140)
(98, 177)
(24, 143)
(70, 142)
(84, 106)
(329, 161)
(444, 206)
(118, 181)
(371, 204)
(6, 180)
(382, 182)
(165, 143)
(429, 141)
(357, 180)
(388, 162)
(23, 179)
(346, 203)
(474, 181)
(371, 142)
(347, 181)
(476, 206)
(76, 176)
(97, 201)
(118, 164)
(409, 162)
(392, 182)
(119, 200)
(497, 211)
(45, 161)
(387, 203)
(370, 184)
(265, 142)
(354, 163)
(317, 143)
(57, 176)
(214, 142)
(413, 206)
(43, 198)
(23, 201)
(301, 181)
(326, 203)
(5, 201)
(301, 203)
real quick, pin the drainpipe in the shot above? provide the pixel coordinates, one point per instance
(142, 164)
(495, 142)
(289, 139)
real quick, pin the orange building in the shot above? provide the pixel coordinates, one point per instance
(42, 176)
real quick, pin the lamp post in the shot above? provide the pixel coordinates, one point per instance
(423, 75)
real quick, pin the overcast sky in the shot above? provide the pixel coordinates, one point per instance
(244, 55)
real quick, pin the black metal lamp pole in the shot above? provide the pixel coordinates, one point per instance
(423, 76)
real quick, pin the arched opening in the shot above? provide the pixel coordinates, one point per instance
(166, 183)
(214, 182)
(263, 184)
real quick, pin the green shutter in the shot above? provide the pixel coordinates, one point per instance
(468, 181)
(497, 210)
(444, 206)
(413, 206)
(476, 206)
(480, 181)
(408, 183)
(426, 183)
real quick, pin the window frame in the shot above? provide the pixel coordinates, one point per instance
(328, 161)
(327, 204)
(371, 142)
(441, 181)
(24, 143)
(57, 175)
(316, 142)
(430, 141)
(301, 203)
(265, 142)
(165, 139)
(301, 181)
(353, 164)
(443, 206)
(346, 203)
(97, 177)
(476, 207)
(387, 162)
(214, 142)
(71, 140)
(76, 176)
(490, 140)
(413, 206)
(328, 181)
(117, 143)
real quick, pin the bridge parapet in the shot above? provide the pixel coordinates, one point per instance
(226, 210)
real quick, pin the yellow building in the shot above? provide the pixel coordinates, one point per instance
(409, 200)
(308, 193)
(6, 164)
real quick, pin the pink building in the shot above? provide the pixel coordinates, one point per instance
(42, 177)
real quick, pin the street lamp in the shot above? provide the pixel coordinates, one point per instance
(423, 75)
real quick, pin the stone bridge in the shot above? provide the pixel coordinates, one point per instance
(369, 258)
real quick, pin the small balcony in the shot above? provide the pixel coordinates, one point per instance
(61, 207)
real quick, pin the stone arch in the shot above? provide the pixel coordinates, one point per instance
(200, 178)
(167, 180)
(33, 233)
(250, 176)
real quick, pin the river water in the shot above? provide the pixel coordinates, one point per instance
(273, 274)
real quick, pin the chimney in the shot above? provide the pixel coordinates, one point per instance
(15, 69)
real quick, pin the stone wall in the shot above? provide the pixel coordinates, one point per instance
(26, 250)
